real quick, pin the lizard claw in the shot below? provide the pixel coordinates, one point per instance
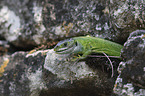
(76, 58)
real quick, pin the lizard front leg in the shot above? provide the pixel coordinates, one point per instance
(83, 56)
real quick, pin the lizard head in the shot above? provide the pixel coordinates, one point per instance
(65, 46)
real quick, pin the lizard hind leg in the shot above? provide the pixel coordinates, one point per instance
(110, 64)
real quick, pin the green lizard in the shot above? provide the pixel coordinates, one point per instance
(86, 45)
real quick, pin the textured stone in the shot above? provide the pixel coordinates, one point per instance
(132, 69)
(21, 75)
(74, 78)
(21, 23)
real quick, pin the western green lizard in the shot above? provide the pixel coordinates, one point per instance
(86, 45)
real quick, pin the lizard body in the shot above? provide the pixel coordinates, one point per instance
(86, 45)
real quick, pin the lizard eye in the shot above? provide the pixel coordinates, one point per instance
(65, 44)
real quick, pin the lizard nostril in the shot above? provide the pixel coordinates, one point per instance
(65, 44)
(76, 43)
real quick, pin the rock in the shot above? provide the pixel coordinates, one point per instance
(31, 74)
(20, 74)
(113, 20)
(30, 23)
(73, 78)
(21, 23)
(126, 16)
(132, 70)
(79, 17)
(35, 23)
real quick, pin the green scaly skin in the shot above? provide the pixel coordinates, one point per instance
(86, 45)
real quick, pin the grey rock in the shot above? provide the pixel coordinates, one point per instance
(31, 74)
(20, 74)
(34, 23)
(73, 78)
(31, 23)
(113, 20)
(78, 17)
(132, 71)
(21, 22)
(65, 69)
(127, 16)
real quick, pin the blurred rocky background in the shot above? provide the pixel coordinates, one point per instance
(29, 29)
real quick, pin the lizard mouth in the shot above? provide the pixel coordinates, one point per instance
(65, 50)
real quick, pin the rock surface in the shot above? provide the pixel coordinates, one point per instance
(38, 22)
(132, 70)
(21, 22)
(29, 23)
(17, 73)
(28, 74)
(74, 78)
